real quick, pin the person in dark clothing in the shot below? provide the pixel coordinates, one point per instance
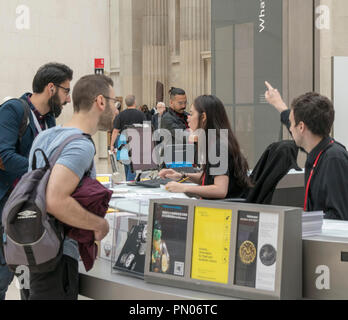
(126, 118)
(175, 120)
(226, 177)
(274, 163)
(326, 170)
(146, 111)
(51, 91)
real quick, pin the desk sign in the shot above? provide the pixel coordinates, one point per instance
(105, 180)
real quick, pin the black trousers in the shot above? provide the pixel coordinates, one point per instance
(60, 284)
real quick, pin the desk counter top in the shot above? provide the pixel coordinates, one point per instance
(102, 284)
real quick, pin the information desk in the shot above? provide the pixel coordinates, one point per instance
(101, 284)
(325, 262)
(325, 267)
(135, 199)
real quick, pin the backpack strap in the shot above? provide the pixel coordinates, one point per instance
(25, 119)
(89, 171)
(55, 156)
(47, 163)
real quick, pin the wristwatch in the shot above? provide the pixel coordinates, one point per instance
(183, 176)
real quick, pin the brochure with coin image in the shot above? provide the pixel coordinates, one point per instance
(132, 256)
(267, 251)
(246, 250)
(256, 252)
(169, 239)
(211, 244)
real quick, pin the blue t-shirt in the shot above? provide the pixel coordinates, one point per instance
(76, 156)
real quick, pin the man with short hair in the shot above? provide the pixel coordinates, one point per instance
(126, 118)
(309, 121)
(175, 119)
(94, 108)
(37, 111)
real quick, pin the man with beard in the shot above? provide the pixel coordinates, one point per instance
(175, 119)
(20, 122)
(94, 109)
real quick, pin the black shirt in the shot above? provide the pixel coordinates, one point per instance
(127, 118)
(234, 189)
(173, 121)
(328, 190)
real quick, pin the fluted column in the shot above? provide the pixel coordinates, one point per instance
(155, 49)
(195, 39)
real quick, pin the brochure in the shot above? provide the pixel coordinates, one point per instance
(256, 251)
(169, 239)
(246, 250)
(211, 244)
(132, 256)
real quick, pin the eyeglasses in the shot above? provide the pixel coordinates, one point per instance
(113, 99)
(66, 90)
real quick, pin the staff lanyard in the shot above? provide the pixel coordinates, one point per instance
(37, 124)
(310, 177)
(203, 179)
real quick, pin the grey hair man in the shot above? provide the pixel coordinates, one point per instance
(157, 117)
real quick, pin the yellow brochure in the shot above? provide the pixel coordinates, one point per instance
(211, 244)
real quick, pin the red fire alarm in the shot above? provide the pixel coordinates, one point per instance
(99, 66)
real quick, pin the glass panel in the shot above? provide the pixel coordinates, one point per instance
(244, 131)
(246, 51)
(224, 64)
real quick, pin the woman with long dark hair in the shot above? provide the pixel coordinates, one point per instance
(225, 178)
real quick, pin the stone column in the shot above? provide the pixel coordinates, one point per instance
(195, 39)
(155, 49)
(131, 17)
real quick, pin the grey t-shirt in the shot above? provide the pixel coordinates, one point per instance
(76, 156)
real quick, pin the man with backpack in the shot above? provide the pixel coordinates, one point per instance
(21, 120)
(94, 109)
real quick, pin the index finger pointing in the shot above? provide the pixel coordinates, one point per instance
(268, 85)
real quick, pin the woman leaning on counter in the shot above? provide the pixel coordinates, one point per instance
(208, 113)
